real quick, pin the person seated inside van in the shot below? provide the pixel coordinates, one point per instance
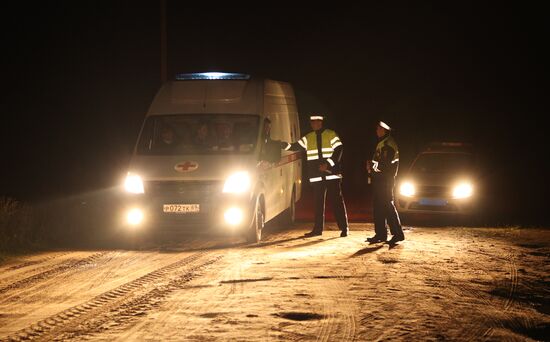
(167, 139)
(224, 137)
(202, 140)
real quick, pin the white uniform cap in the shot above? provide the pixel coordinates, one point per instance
(316, 117)
(384, 125)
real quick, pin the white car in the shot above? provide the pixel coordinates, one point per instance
(442, 179)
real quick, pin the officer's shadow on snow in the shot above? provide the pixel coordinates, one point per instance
(219, 243)
(373, 248)
(272, 243)
(197, 244)
(311, 243)
(366, 250)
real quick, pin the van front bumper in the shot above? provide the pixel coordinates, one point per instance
(196, 207)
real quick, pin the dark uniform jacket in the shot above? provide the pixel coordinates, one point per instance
(385, 160)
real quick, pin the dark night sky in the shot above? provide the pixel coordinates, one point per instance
(78, 78)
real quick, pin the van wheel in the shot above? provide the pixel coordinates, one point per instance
(254, 234)
(289, 217)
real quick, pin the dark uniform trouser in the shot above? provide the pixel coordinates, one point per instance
(334, 189)
(384, 209)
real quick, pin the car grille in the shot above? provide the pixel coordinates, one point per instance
(433, 191)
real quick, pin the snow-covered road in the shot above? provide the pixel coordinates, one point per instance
(440, 284)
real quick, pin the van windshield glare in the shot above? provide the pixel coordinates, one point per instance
(199, 134)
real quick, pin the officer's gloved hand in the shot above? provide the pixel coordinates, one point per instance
(323, 167)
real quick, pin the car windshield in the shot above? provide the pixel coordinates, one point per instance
(199, 134)
(442, 162)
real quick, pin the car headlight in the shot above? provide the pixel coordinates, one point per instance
(463, 190)
(407, 189)
(237, 183)
(133, 184)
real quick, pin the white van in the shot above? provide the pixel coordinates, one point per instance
(198, 161)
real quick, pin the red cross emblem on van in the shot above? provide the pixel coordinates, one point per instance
(186, 166)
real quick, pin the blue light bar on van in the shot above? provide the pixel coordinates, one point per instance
(212, 76)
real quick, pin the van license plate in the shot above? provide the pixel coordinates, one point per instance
(181, 208)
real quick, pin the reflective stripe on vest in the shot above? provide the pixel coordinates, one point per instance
(330, 177)
(303, 142)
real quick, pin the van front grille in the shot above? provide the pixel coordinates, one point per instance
(203, 189)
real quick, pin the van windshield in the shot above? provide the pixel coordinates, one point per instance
(199, 134)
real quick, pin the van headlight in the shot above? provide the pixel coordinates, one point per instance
(463, 190)
(237, 183)
(134, 217)
(233, 216)
(133, 184)
(407, 189)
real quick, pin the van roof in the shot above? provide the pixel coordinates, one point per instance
(220, 93)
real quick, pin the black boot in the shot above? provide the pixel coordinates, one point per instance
(376, 239)
(395, 239)
(313, 233)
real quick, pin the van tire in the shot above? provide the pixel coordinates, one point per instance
(254, 234)
(289, 216)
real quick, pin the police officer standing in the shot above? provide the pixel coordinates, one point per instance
(324, 166)
(383, 169)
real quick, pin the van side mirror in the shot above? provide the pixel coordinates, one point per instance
(272, 151)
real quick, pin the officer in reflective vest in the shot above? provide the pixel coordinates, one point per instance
(383, 168)
(324, 168)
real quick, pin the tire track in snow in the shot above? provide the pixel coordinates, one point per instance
(27, 263)
(23, 269)
(45, 275)
(118, 315)
(110, 300)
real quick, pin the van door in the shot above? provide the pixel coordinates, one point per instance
(273, 177)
